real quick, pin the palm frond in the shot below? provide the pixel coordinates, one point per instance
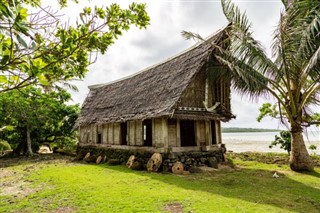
(190, 35)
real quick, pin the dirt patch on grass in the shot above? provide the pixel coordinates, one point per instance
(64, 209)
(18, 189)
(173, 208)
(12, 179)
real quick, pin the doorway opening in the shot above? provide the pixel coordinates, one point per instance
(147, 132)
(123, 130)
(187, 133)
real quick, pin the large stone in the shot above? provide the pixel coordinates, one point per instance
(99, 159)
(154, 162)
(86, 156)
(212, 162)
(131, 161)
(177, 168)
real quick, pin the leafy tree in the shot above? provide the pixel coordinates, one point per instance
(284, 140)
(291, 76)
(38, 48)
(36, 117)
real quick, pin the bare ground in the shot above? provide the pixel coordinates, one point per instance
(12, 177)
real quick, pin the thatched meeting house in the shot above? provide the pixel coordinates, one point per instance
(172, 107)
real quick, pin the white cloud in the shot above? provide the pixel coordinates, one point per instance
(138, 49)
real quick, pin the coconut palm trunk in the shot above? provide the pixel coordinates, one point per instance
(299, 157)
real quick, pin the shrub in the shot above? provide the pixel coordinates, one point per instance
(4, 145)
(284, 141)
(312, 147)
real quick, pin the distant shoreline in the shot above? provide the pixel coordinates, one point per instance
(237, 129)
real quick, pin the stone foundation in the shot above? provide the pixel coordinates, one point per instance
(189, 159)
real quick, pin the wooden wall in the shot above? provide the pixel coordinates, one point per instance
(165, 133)
(135, 133)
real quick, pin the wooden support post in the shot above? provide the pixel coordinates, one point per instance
(139, 131)
(208, 133)
(131, 133)
(104, 134)
(165, 132)
(218, 132)
(110, 133)
(116, 134)
(178, 134)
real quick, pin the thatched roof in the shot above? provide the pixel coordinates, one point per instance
(150, 93)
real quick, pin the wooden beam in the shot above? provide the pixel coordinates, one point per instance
(165, 132)
(178, 133)
(218, 132)
(208, 133)
(139, 133)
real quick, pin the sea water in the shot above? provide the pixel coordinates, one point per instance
(260, 141)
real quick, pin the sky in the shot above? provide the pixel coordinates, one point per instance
(138, 49)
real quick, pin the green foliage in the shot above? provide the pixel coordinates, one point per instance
(40, 49)
(284, 141)
(4, 145)
(267, 109)
(46, 115)
(312, 147)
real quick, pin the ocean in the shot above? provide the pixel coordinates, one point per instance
(260, 141)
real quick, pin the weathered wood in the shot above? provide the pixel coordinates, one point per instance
(172, 133)
(218, 132)
(154, 162)
(178, 134)
(131, 133)
(165, 132)
(200, 133)
(105, 134)
(116, 134)
(110, 133)
(177, 168)
(130, 161)
(208, 133)
(139, 133)
(99, 159)
(94, 131)
(158, 141)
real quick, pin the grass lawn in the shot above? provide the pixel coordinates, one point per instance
(55, 184)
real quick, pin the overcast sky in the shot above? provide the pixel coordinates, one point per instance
(138, 49)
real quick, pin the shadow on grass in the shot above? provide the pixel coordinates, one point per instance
(253, 185)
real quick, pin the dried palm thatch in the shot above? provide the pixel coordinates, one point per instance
(154, 92)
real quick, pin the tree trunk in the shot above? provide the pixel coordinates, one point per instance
(29, 150)
(299, 158)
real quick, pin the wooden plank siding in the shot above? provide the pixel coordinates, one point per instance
(105, 134)
(172, 133)
(218, 132)
(157, 134)
(138, 133)
(200, 133)
(208, 133)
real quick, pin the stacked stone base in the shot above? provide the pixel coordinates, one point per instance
(188, 159)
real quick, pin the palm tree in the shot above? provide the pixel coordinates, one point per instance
(291, 75)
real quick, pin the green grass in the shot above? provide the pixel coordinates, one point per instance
(102, 188)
